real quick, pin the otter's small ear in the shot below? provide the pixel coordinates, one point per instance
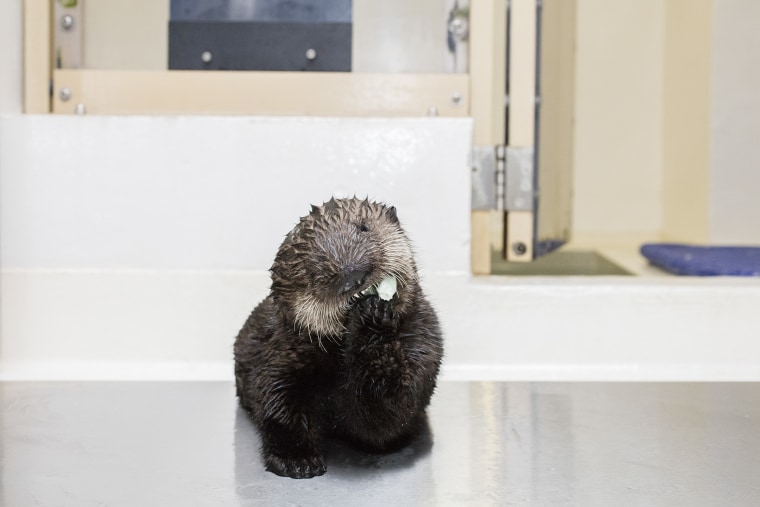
(390, 213)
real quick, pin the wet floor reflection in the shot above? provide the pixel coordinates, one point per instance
(122, 444)
(597, 443)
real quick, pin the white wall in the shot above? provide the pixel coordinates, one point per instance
(161, 324)
(219, 192)
(134, 247)
(735, 123)
(10, 56)
(147, 240)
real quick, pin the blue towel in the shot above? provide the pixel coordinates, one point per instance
(704, 260)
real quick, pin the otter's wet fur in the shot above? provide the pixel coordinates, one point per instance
(317, 359)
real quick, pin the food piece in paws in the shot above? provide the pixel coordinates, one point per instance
(386, 289)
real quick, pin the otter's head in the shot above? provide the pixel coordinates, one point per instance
(333, 254)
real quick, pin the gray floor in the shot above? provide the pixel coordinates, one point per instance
(166, 444)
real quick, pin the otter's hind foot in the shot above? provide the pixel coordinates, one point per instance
(290, 453)
(296, 468)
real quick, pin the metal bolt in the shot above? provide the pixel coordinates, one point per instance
(458, 27)
(519, 248)
(65, 94)
(456, 98)
(80, 109)
(206, 56)
(432, 111)
(67, 22)
(311, 54)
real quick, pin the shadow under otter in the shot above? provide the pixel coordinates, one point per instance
(344, 459)
(333, 351)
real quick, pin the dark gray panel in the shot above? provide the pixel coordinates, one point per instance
(559, 263)
(259, 46)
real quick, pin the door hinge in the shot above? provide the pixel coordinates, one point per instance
(502, 178)
(518, 179)
(487, 177)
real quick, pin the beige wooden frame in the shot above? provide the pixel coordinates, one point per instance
(522, 98)
(37, 57)
(272, 93)
(487, 85)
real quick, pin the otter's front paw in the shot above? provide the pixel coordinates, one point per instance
(376, 314)
(296, 468)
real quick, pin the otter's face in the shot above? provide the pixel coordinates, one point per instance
(340, 249)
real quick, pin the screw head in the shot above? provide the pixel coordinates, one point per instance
(456, 98)
(311, 54)
(206, 56)
(458, 27)
(519, 248)
(67, 22)
(65, 94)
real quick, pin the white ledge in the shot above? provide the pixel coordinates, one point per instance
(180, 325)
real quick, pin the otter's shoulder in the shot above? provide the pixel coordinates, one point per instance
(261, 322)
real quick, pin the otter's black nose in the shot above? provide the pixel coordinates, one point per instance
(353, 279)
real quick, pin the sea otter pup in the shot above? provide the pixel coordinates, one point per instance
(345, 345)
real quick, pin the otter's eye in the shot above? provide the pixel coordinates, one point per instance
(363, 228)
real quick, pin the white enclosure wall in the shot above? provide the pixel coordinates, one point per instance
(216, 192)
(148, 240)
(735, 123)
(135, 248)
(10, 56)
